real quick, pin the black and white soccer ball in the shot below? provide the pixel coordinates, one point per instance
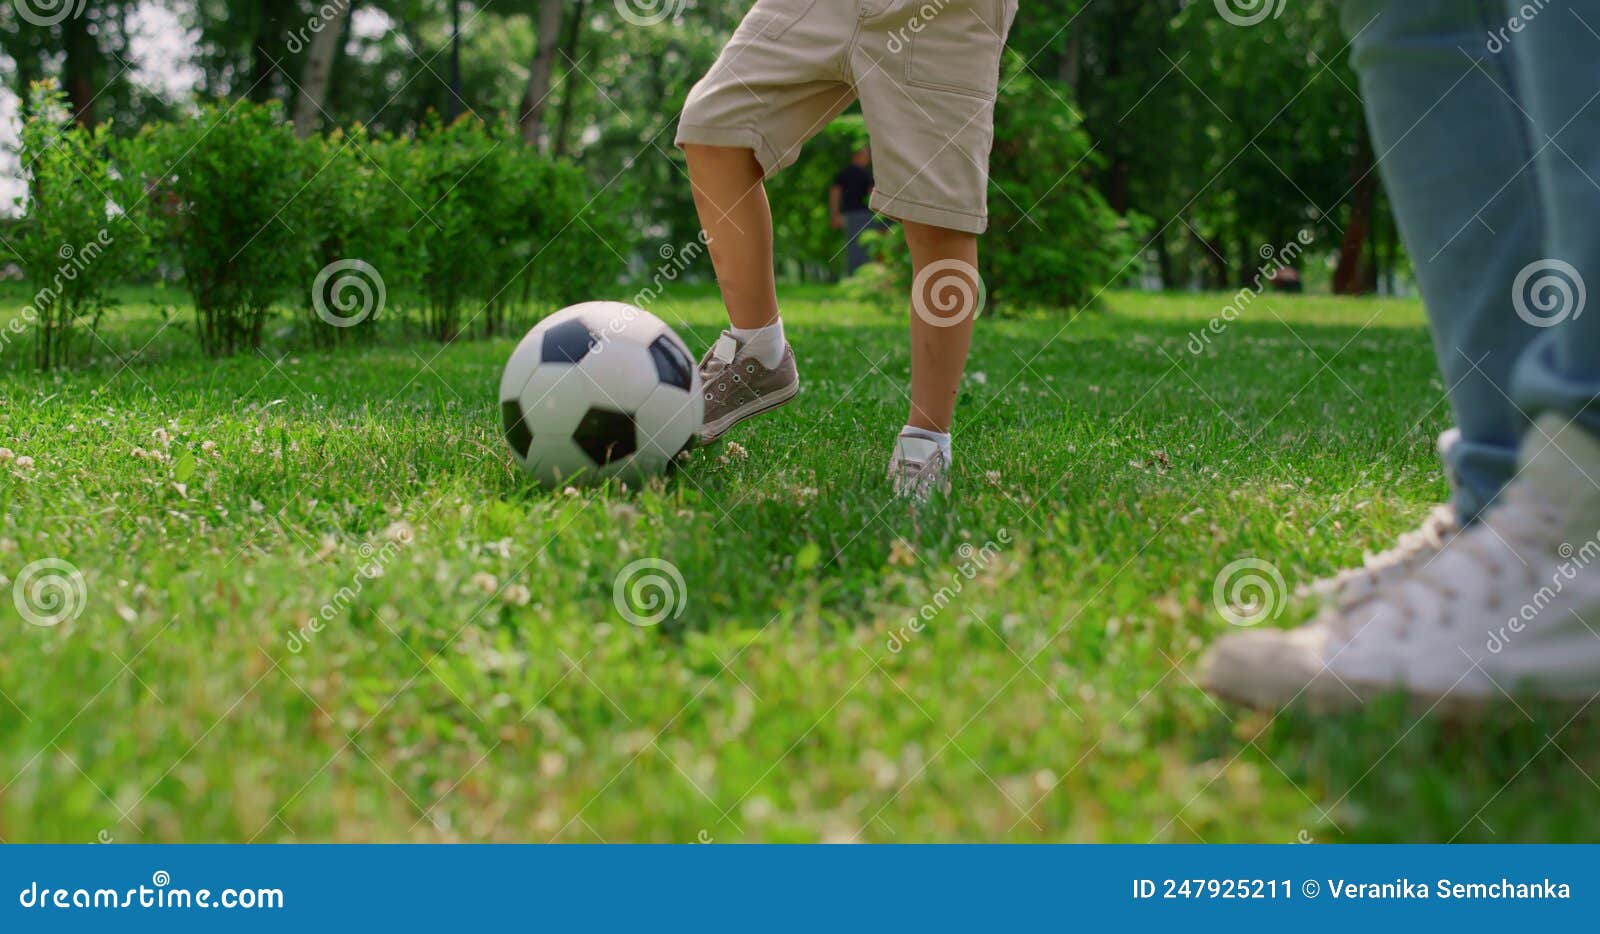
(599, 390)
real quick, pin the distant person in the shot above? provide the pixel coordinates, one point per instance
(847, 207)
(1490, 155)
(1286, 279)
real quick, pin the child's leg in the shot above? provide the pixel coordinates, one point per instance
(732, 204)
(927, 88)
(944, 302)
(774, 86)
(750, 369)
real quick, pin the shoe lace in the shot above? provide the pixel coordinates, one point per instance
(918, 477)
(1520, 524)
(713, 366)
(1355, 584)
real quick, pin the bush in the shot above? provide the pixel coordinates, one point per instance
(1052, 241)
(503, 229)
(580, 239)
(361, 226)
(231, 180)
(465, 223)
(76, 237)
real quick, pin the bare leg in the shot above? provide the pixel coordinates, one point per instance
(943, 304)
(733, 209)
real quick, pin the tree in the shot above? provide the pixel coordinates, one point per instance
(531, 113)
(327, 39)
(85, 54)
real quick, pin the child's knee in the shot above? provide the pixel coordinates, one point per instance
(717, 155)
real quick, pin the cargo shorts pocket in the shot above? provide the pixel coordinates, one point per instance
(955, 45)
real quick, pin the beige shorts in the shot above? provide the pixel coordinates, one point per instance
(926, 72)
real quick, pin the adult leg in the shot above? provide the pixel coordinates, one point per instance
(1450, 627)
(856, 223)
(1556, 55)
(1454, 152)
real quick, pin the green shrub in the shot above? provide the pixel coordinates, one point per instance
(464, 223)
(79, 234)
(581, 237)
(232, 182)
(360, 225)
(503, 229)
(453, 199)
(1053, 241)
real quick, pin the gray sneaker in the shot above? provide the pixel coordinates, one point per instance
(918, 467)
(738, 387)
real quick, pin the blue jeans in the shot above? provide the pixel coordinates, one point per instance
(1487, 130)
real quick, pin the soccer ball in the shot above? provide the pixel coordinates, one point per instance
(596, 391)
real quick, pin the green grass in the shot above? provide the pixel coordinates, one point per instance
(1050, 698)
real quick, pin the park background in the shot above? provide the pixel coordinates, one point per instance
(264, 260)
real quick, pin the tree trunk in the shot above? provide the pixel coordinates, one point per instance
(1072, 62)
(569, 51)
(1164, 261)
(77, 70)
(1349, 278)
(268, 45)
(1115, 136)
(544, 59)
(325, 46)
(1216, 261)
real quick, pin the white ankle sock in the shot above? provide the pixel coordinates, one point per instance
(765, 344)
(941, 438)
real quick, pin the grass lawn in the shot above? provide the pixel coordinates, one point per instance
(1104, 475)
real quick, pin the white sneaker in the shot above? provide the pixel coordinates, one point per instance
(918, 467)
(1410, 550)
(1512, 604)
